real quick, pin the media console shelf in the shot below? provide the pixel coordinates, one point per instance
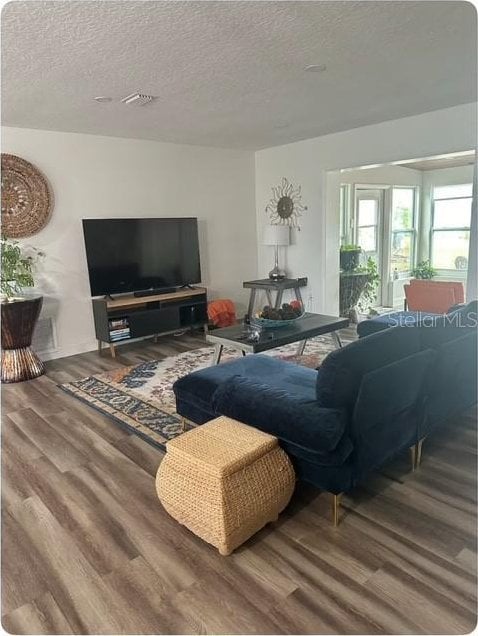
(128, 317)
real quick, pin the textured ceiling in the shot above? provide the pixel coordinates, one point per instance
(231, 73)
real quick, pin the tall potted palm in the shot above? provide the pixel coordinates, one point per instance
(19, 313)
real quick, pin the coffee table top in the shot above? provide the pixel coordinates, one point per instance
(309, 326)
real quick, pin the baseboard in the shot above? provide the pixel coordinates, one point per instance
(65, 352)
(86, 347)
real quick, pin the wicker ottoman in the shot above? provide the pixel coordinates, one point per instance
(225, 481)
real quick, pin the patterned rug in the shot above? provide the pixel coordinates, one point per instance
(141, 399)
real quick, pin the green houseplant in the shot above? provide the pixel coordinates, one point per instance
(424, 271)
(19, 313)
(17, 268)
(369, 291)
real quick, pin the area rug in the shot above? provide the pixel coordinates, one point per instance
(141, 399)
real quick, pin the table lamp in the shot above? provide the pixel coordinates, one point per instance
(276, 235)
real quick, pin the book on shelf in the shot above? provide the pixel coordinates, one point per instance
(114, 324)
(120, 330)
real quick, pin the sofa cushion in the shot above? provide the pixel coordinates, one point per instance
(435, 337)
(464, 315)
(452, 387)
(379, 405)
(454, 324)
(451, 327)
(395, 319)
(197, 388)
(281, 413)
(389, 409)
(341, 373)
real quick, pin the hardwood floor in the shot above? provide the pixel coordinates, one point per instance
(87, 547)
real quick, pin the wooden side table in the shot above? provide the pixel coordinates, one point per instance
(19, 318)
(278, 286)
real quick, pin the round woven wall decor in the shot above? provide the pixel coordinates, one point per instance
(26, 200)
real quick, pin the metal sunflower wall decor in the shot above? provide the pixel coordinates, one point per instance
(26, 199)
(286, 205)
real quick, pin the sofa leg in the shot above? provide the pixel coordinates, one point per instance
(413, 456)
(419, 452)
(183, 423)
(336, 508)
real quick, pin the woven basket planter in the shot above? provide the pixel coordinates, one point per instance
(224, 481)
(19, 317)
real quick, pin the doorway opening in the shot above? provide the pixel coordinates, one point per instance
(403, 214)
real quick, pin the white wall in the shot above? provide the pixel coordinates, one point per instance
(314, 164)
(93, 176)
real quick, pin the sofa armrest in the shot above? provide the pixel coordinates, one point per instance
(288, 417)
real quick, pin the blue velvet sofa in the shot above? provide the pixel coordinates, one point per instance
(337, 424)
(452, 386)
(368, 401)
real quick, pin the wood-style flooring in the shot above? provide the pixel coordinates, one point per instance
(88, 549)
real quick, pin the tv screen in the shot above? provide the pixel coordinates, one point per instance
(128, 255)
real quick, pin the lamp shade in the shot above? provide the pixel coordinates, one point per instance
(276, 235)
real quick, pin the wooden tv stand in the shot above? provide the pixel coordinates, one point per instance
(128, 317)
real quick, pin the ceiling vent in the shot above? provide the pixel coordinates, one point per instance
(137, 99)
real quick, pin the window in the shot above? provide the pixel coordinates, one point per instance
(450, 234)
(343, 214)
(403, 230)
(368, 207)
(346, 225)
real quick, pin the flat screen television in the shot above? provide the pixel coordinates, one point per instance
(137, 255)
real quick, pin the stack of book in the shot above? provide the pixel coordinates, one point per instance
(119, 329)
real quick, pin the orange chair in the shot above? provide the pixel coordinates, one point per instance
(222, 312)
(433, 296)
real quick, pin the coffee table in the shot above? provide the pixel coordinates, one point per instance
(300, 331)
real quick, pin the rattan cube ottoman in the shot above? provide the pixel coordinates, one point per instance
(224, 481)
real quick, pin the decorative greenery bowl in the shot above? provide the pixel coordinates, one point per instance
(266, 323)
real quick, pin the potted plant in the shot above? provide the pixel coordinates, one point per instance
(349, 257)
(19, 313)
(358, 289)
(17, 269)
(369, 291)
(424, 271)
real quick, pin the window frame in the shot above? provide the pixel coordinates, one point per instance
(446, 271)
(360, 189)
(413, 231)
(346, 217)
